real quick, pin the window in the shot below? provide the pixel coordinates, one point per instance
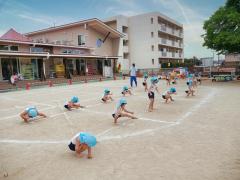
(71, 51)
(8, 48)
(107, 63)
(124, 29)
(159, 61)
(125, 55)
(152, 47)
(125, 42)
(36, 49)
(4, 47)
(152, 61)
(151, 20)
(152, 34)
(13, 48)
(81, 40)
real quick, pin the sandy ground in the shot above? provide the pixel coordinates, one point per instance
(193, 138)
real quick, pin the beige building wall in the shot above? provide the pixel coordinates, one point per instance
(144, 47)
(118, 22)
(59, 50)
(112, 24)
(24, 48)
(70, 35)
(1, 78)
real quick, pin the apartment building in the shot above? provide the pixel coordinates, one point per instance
(88, 47)
(150, 40)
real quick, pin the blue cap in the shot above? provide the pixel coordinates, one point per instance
(125, 88)
(122, 101)
(145, 75)
(32, 112)
(88, 139)
(106, 91)
(154, 79)
(74, 99)
(173, 90)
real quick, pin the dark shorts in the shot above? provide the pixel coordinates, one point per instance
(71, 146)
(163, 96)
(66, 106)
(144, 84)
(113, 115)
(199, 80)
(186, 91)
(103, 100)
(151, 95)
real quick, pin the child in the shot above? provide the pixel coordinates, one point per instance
(145, 77)
(107, 95)
(151, 90)
(31, 112)
(167, 94)
(126, 90)
(121, 111)
(82, 141)
(194, 81)
(174, 80)
(190, 88)
(199, 78)
(73, 104)
(168, 79)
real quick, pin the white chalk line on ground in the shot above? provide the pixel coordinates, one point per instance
(33, 141)
(139, 118)
(178, 122)
(31, 102)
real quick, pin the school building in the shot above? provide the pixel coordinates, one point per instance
(150, 40)
(83, 48)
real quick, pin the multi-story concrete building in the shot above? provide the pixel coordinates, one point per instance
(150, 39)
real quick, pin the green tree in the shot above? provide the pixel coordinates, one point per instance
(222, 29)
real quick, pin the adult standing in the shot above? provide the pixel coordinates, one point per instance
(133, 77)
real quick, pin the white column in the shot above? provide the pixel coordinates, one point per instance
(44, 67)
(1, 78)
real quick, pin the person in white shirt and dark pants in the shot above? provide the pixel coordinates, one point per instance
(133, 72)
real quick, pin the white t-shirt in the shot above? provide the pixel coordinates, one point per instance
(165, 93)
(73, 140)
(152, 88)
(133, 71)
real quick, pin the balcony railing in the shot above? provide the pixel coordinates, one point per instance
(171, 31)
(164, 54)
(163, 28)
